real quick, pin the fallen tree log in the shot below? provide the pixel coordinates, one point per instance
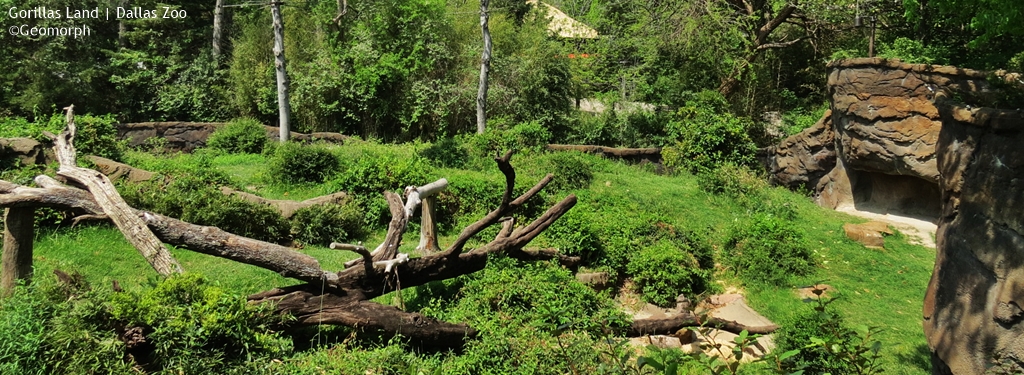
(114, 207)
(669, 326)
(652, 154)
(287, 208)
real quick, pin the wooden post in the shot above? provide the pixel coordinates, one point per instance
(283, 107)
(428, 229)
(17, 255)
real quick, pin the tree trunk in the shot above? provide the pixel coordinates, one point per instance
(283, 106)
(485, 67)
(121, 29)
(428, 227)
(17, 252)
(218, 19)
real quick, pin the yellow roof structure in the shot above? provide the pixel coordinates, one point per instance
(562, 25)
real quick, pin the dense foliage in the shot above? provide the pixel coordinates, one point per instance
(407, 70)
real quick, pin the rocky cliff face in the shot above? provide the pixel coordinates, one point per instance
(973, 307)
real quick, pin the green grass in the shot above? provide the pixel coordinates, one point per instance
(882, 288)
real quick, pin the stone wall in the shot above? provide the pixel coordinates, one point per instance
(973, 306)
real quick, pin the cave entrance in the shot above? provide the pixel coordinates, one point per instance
(897, 195)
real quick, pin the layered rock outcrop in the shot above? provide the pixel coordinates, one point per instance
(973, 307)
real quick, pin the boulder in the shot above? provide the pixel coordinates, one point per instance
(870, 234)
(26, 151)
(972, 308)
(596, 280)
(180, 136)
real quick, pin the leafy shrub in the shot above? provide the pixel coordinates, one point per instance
(708, 135)
(371, 173)
(826, 344)
(732, 180)
(913, 52)
(446, 153)
(664, 270)
(294, 162)
(527, 136)
(190, 198)
(768, 251)
(50, 328)
(570, 169)
(193, 327)
(240, 136)
(797, 120)
(510, 295)
(634, 128)
(573, 234)
(324, 223)
(94, 135)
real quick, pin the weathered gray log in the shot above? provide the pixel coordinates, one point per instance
(17, 251)
(102, 190)
(669, 326)
(288, 208)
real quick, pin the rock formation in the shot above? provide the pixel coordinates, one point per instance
(187, 136)
(973, 307)
(899, 143)
(875, 149)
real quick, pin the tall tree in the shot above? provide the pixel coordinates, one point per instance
(284, 109)
(218, 19)
(485, 67)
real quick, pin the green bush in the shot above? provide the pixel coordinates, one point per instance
(571, 170)
(240, 136)
(54, 328)
(446, 153)
(573, 234)
(707, 135)
(731, 180)
(826, 344)
(324, 223)
(94, 135)
(297, 163)
(768, 250)
(524, 137)
(509, 295)
(913, 52)
(666, 269)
